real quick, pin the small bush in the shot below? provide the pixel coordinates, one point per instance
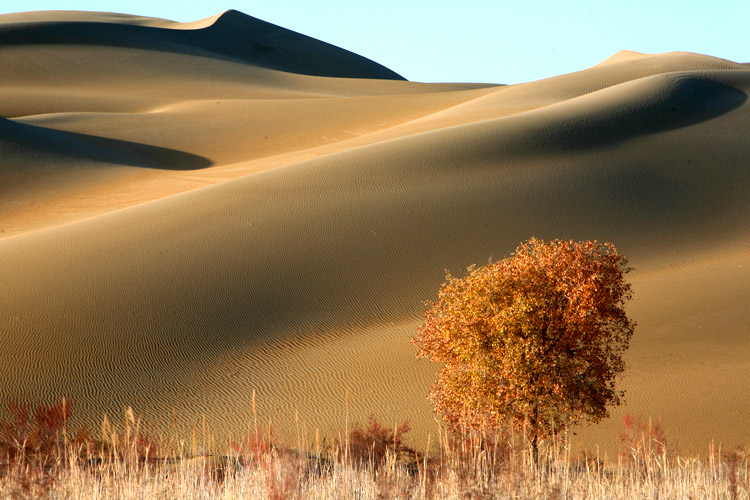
(37, 437)
(370, 445)
(644, 443)
(255, 447)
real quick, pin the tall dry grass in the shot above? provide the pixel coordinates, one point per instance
(40, 459)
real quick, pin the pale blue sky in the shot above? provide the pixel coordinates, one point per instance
(492, 41)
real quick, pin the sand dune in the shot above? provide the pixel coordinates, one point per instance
(185, 222)
(231, 35)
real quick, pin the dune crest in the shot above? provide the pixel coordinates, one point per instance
(622, 56)
(231, 35)
(687, 58)
(191, 212)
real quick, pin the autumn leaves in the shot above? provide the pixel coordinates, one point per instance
(534, 341)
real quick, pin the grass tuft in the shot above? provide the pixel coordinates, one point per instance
(41, 459)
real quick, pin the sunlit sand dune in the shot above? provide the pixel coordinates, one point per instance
(193, 213)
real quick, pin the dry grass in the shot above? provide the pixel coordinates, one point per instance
(376, 465)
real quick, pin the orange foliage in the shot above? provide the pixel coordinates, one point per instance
(535, 339)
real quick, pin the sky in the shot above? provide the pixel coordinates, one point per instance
(484, 41)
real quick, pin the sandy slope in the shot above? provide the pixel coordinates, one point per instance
(186, 222)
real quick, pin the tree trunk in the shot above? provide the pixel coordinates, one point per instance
(534, 421)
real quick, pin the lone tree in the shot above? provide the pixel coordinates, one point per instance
(535, 339)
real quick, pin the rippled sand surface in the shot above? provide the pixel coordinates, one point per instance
(194, 212)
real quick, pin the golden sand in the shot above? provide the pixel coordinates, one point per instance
(185, 222)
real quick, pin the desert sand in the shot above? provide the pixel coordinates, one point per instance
(192, 213)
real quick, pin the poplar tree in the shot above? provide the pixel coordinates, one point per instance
(534, 340)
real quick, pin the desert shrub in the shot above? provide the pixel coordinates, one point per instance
(281, 468)
(256, 445)
(37, 436)
(130, 445)
(737, 465)
(643, 436)
(369, 446)
(643, 443)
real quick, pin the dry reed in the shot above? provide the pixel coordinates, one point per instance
(123, 465)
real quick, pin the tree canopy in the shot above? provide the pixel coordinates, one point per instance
(535, 339)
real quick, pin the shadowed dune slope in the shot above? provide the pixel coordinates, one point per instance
(295, 260)
(232, 35)
(18, 138)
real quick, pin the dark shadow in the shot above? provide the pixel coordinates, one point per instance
(234, 36)
(21, 136)
(688, 100)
